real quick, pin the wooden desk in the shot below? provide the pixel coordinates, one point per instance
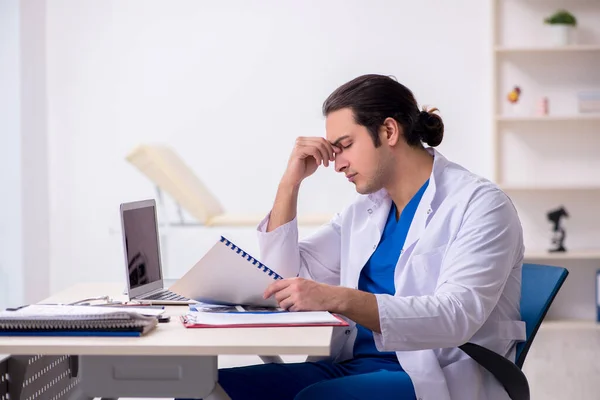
(169, 349)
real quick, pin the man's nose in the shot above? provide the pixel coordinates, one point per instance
(340, 163)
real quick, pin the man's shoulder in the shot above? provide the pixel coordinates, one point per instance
(457, 181)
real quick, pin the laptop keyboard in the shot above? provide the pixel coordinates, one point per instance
(166, 295)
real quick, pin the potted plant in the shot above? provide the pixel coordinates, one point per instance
(562, 23)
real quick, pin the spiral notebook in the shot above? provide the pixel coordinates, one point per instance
(63, 320)
(226, 274)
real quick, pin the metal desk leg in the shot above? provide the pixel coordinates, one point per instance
(218, 394)
(77, 394)
(3, 377)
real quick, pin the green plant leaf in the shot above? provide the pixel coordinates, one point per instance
(562, 17)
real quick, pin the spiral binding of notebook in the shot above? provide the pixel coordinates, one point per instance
(250, 259)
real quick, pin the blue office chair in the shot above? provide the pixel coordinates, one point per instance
(539, 286)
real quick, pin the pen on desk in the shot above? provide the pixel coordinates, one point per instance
(134, 305)
(16, 308)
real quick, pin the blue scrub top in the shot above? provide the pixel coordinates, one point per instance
(377, 276)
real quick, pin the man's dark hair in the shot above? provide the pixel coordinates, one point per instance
(373, 98)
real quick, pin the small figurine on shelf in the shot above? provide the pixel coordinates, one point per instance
(513, 95)
(558, 231)
(513, 98)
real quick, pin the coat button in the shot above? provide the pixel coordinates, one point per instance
(370, 211)
(347, 332)
(429, 211)
(374, 246)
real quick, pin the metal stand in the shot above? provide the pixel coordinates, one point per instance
(36, 377)
(165, 217)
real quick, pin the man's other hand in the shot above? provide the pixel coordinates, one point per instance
(298, 294)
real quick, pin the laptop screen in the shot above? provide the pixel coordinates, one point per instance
(141, 246)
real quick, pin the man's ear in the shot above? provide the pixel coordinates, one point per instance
(391, 131)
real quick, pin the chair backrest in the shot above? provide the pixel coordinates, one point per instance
(539, 286)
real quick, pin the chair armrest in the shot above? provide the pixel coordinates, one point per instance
(504, 370)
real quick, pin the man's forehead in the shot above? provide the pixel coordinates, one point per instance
(339, 123)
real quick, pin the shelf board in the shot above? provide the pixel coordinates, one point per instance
(570, 324)
(591, 254)
(548, 49)
(561, 188)
(550, 118)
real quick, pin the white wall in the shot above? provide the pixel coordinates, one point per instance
(230, 85)
(35, 188)
(11, 291)
(24, 259)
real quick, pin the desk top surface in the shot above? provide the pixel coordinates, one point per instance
(171, 338)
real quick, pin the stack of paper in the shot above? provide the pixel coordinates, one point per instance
(260, 319)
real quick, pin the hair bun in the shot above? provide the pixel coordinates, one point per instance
(430, 127)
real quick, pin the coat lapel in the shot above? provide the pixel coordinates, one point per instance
(425, 209)
(366, 236)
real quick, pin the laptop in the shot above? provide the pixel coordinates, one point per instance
(143, 266)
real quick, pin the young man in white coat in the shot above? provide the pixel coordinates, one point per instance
(427, 258)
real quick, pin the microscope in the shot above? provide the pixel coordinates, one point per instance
(558, 232)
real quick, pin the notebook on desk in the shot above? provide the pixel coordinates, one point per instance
(59, 320)
(226, 274)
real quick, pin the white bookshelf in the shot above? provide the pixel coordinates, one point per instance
(541, 162)
(528, 146)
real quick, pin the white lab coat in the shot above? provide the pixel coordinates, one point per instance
(458, 278)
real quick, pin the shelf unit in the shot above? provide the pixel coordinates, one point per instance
(523, 55)
(541, 162)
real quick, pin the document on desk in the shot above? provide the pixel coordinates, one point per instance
(227, 275)
(260, 319)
